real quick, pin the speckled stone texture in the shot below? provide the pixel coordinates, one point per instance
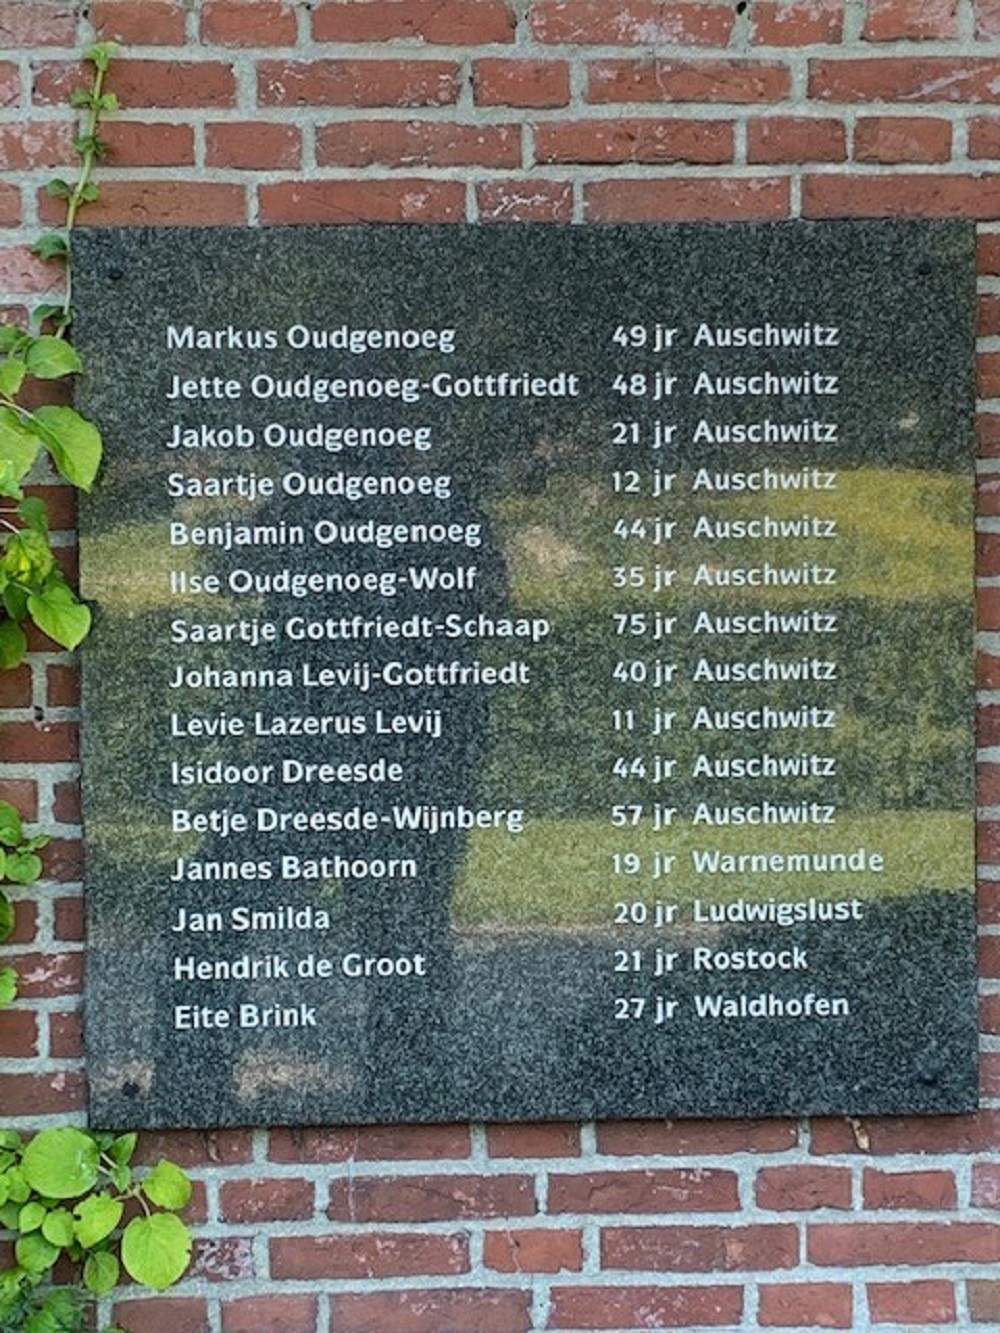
(522, 1013)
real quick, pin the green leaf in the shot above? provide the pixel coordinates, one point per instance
(156, 1250)
(17, 445)
(75, 444)
(90, 192)
(8, 986)
(34, 514)
(168, 1187)
(61, 1163)
(57, 613)
(109, 102)
(100, 1273)
(13, 645)
(11, 376)
(31, 1217)
(10, 1140)
(58, 189)
(47, 310)
(52, 245)
(121, 1176)
(9, 488)
(123, 1147)
(96, 1218)
(35, 1254)
(58, 1227)
(6, 930)
(51, 358)
(9, 1214)
(20, 1190)
(10, 336)
(101, 54)
(28, 560)
(11, 828)
(22, 867)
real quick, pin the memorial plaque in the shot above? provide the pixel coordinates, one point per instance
(531, 673)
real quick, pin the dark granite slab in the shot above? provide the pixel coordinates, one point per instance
(738, 624)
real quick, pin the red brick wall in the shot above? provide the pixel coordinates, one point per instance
(562, 110)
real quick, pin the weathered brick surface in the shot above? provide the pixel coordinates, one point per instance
(281, 111)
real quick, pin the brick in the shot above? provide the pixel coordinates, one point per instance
(64, 860)
(988, 373)
(452, 22)
(164, 1314)
(986, 1185)
(533, 1250)
(989, 1014)
(743, 81)
(988, 775)
(645, 1307)
(357, 82)
(10, 206)
(984, 1301)
(796, 139)
(219, 1147)
(21, 271)
(989, 1074)
(803, 1188)
(529, 200)
(437, 1311)
(932, 196)
(988, 608)
(271, 1314)
(18, 1034)
(41, 975)
(909, 1189)
(62, 686)
(66, 1036)
(10, 83)
(157, 144)
(896, 1243)
(368, 1255)
(988, 895)
(162, 203)
(984, 137)
(38, 144)
(894, 139)
(25, 929)
(987, 18)
(906, 79)
(283, 1200)
(60, 502)
(29, 1095)
(632, 22)
(22, 793)
(253, 145)
(67, 803)
(664, 1191)
(417, 143)
(145, 83)
(695, 1137)
(988, 253)
(363, 201)
(901, 20)
(37, 23)
(139, 22)
(528, 83)
(249, 23)
(223, 1259)
(68, 924)
(371, 1143)
(806, 1305)
(917, 1302)
(15, 688)
(700, 1249)
(634, 140)
(686, 200)
(542, 1139)
(430, 1198)
(796, 22)
(39, 743)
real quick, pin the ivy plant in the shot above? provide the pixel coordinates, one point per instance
(32, 586)
(66, 1193)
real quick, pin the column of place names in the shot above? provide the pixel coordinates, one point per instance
(741, 594)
